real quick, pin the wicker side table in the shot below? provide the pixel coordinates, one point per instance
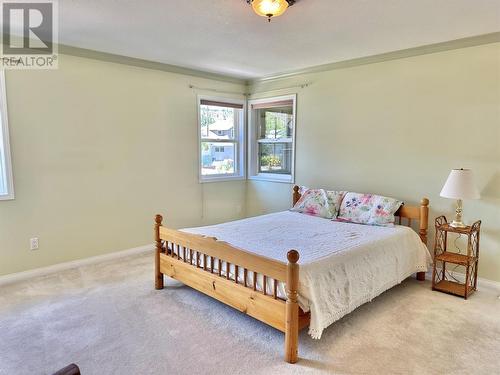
(468, 260)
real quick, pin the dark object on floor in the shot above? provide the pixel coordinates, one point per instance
(69, 370)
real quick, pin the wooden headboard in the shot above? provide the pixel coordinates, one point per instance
(418, 214)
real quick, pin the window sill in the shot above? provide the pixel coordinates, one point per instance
(286, 179)
(8, 197)
(221, 179)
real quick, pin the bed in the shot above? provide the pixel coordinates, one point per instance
(342, 265)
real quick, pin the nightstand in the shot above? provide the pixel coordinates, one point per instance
(468, 260)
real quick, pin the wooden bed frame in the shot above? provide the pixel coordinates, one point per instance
(183, 256)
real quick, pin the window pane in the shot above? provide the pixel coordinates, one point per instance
(217, 158)
(275, 123)
(3, 177)
(275, 157)
(271, 143)
(219, 122)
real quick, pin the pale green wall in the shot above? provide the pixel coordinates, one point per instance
(397, 128)
(98, 149)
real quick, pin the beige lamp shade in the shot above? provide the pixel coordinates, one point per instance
(269, 8)
(460, 185)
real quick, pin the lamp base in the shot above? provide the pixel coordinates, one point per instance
(457, 224)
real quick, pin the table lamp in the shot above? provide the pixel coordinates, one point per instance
(460, 185)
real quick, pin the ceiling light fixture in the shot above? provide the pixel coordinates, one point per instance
(270, 8)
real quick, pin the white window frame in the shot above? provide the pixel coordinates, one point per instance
(253, 147)
(5, 156)
(239, 140)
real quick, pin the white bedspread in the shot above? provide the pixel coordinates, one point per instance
(342, 265)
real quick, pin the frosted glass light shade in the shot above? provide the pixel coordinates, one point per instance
(460, 185)
(269, 8)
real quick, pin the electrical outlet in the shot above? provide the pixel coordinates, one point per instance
(34, 243)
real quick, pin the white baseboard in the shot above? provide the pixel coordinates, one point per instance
(490, 284)
(25, 275)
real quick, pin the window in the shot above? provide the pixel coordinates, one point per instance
(272, 139)
(6, 182)
(221, 128)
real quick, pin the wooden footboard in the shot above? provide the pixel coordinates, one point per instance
(204, 263)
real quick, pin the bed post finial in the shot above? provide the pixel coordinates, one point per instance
(296, 195)
(293, 256)
(292, 308)
(158, 219)
(158, 249)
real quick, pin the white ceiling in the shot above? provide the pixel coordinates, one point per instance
(225, 36)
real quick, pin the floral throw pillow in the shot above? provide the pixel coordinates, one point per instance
(319, 202)
(334, 201)
(368, 209)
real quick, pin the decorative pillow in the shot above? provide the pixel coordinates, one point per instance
(334, 201)
(368, 209)
(319, 202)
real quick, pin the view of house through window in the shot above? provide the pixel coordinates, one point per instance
(272, 143)
(220, 131)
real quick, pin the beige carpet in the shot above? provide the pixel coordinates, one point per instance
(108, 319)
